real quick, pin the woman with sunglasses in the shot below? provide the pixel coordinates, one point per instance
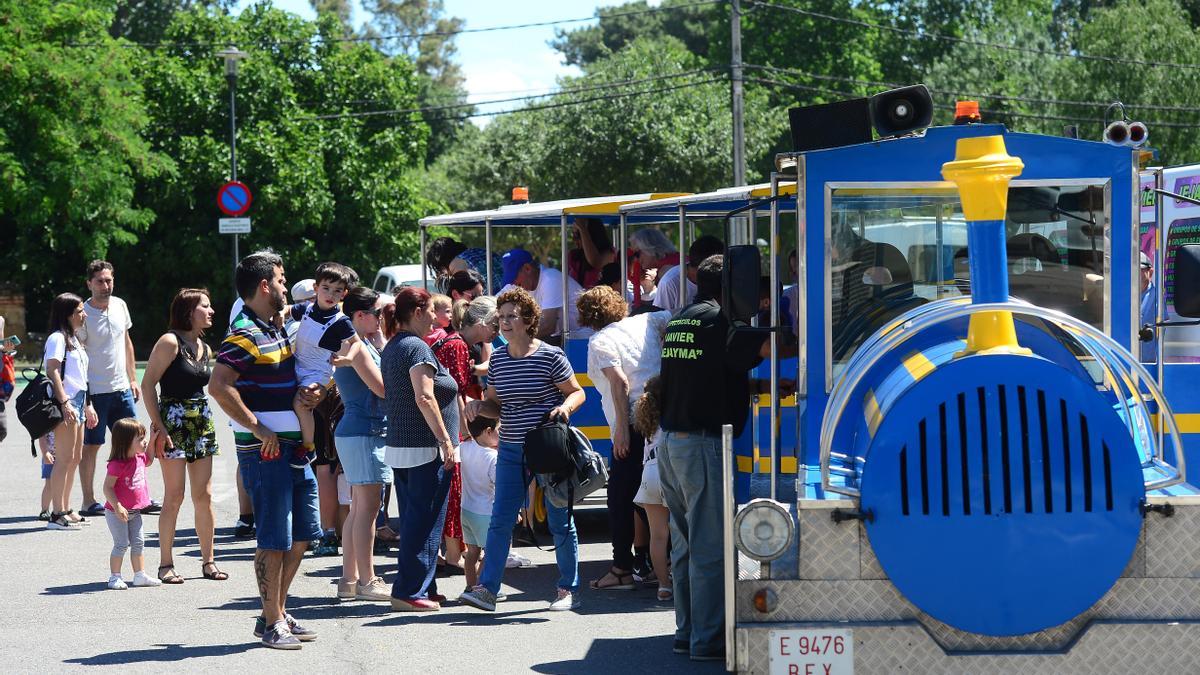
(464, 285)
(528, 381)
(360, 440)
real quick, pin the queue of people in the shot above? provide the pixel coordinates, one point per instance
(430, 395)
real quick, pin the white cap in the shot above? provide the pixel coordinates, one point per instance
(305, 289)
(1145, 261)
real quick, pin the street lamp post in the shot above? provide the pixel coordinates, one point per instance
(232, 55)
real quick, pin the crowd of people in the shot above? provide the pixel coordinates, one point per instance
(343, 395)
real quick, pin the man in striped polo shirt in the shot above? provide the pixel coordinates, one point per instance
(254, 382)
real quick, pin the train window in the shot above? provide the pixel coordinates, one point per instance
(894, 248)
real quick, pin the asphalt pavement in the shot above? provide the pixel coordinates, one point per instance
(59, 615)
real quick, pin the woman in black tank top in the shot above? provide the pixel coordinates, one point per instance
(182, 430)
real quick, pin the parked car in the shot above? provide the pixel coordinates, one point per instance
(391, 276)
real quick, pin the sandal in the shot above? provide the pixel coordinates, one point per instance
(172, 578)
(665, 594)
(386, 533)
(623, 581)
(215, 574)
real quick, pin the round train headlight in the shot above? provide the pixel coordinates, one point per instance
(763, 529)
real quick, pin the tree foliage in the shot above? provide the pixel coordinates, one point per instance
(117, 152)
(110, 148)
(73, 151)
(674, 136)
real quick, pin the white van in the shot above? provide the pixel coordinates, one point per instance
(392, 276)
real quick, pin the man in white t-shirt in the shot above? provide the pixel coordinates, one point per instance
(667, 294)
(112, 374)
(520, 269)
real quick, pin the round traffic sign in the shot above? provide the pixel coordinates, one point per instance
(234, 198)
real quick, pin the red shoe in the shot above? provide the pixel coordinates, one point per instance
(415, 605)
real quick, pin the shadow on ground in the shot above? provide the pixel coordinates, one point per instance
(651, 654)
(161, 653)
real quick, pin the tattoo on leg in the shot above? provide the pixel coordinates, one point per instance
(260, 574)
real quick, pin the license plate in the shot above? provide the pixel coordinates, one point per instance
(812, 652)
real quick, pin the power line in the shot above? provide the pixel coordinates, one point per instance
(967, 41)
(560, 104)
(406, 36)
(572, 90)
(999, 113)
(1002, 97)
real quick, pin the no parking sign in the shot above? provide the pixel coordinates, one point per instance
(234, 198)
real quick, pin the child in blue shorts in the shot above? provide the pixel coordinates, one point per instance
(478, 466)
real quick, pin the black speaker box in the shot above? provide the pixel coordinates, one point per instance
(901, 111)
(1187, 281)
(739, 282)
(830, 125)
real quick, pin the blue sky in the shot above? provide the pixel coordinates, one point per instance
(498, 64)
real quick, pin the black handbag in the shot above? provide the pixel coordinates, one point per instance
(550, 449)
(37, 408)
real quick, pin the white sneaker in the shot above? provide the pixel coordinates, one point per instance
(564, 601)
(140, 579)
(376, 590)
(516, 560)
(116, 583)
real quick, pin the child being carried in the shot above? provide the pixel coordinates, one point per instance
(322, 333)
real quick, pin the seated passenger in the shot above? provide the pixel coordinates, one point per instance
(545, 283)
(592, 250)
(651, 256)
(667, 296)
(611, 276)
(446, 255)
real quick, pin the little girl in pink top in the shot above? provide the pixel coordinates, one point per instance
(127, 493)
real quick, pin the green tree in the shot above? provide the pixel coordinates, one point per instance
(1150, 30)
(672, 136)
(1008, 82)
(145, 21)
(620, 25)
(325, 189)
(72, 153)
(420, 31)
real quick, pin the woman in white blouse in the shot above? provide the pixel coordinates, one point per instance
(622, 354)
(66, 364)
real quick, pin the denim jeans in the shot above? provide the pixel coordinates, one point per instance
(689, 466)
(512, 482)
(284, 498)
(423, 492)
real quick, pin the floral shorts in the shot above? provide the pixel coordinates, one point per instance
(190, 426)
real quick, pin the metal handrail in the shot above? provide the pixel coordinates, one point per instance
(1096, 343)
(730, 557)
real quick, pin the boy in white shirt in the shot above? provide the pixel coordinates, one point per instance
(478, 458)
(322, 330)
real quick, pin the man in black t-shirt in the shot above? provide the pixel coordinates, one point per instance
(706, 384)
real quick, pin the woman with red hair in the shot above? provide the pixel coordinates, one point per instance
(421, 403)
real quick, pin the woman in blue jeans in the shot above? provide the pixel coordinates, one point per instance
(527, 381)
(421, 404)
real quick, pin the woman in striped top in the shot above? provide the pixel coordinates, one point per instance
(528, 381)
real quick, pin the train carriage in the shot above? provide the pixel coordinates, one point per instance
(988, 480)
